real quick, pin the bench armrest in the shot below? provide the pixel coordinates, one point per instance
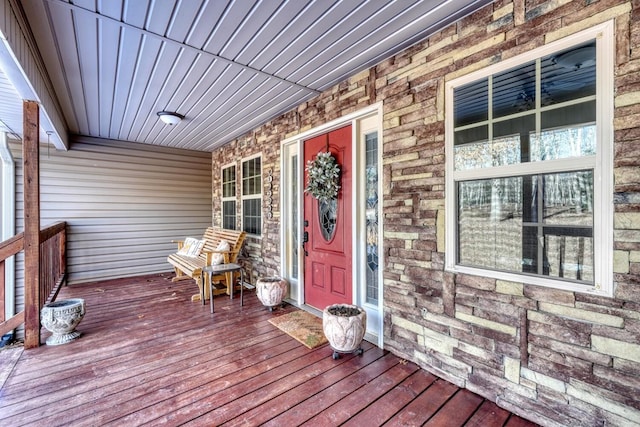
(226, 254)
(179, 242)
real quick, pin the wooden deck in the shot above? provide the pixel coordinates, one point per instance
(150, 356)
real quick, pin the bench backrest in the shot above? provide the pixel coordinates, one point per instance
(213, 236)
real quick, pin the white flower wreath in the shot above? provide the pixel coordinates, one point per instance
(323, 177)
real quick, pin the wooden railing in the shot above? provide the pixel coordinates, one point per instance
(52, 266)
(53, 261)
(9, 248)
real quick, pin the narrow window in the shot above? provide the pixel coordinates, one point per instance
(229, 197)
(371, 213)
(294, 217)
(252, 195)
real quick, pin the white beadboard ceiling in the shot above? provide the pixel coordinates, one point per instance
(227, 66)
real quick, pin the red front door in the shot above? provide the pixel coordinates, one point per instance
(327, 268)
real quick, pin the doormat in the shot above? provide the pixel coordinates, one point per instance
(303, 326)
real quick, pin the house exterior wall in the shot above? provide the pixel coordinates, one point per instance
(123, 202)
(556, 357)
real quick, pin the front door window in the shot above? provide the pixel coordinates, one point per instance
(327, 215)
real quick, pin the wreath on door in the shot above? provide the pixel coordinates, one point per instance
(323, 174)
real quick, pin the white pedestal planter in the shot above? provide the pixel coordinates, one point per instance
(271, 291)
(344, 326)
(61, 318)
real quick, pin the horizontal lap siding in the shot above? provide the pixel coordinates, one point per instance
(124, 203)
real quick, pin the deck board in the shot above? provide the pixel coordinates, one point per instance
(150, 356)
(348, 406)
(393, 401)
(425, 405)
(457, 410)
(488, 414)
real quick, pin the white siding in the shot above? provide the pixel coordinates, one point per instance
(123, 203)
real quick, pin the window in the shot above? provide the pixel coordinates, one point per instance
(289, 218)
(294, 216)
(372, 171)
(229, 197)
(528, 152)
(252, 195)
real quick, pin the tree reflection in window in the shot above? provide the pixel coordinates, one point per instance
(538, 224)
(537, 219)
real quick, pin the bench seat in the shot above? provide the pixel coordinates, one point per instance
(191, 267)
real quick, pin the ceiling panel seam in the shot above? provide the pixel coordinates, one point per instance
(65, 77)
(310, 48)
(290, 27)
(183, 45)
(346, 58)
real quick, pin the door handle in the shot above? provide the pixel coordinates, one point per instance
(305, 239)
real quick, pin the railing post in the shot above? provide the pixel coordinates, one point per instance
(31, 162)
(3, 307)
(63, 252)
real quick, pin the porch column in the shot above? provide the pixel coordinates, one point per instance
(31, 168)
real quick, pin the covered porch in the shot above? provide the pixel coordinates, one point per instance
(150, 356)
(557, 344)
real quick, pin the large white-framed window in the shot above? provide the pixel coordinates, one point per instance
(252, 195)
(529, 165)
(228, 175)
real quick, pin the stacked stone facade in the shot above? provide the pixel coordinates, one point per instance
(556, 357)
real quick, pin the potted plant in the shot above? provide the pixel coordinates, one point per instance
(271, 291)
(61, 318)
(344, 325)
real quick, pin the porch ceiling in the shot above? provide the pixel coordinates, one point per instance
(227, 66)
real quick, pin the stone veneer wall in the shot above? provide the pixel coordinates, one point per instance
(555, 357)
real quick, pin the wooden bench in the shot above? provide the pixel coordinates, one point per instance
(191, 267)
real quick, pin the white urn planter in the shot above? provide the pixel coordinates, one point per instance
(271, 291)
(344, 325)
(61, 318)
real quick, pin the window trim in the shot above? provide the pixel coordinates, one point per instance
(233, 198)
(290, 243)
(602, 165)
(244, 197)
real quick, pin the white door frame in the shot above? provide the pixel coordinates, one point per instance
(293, 146)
